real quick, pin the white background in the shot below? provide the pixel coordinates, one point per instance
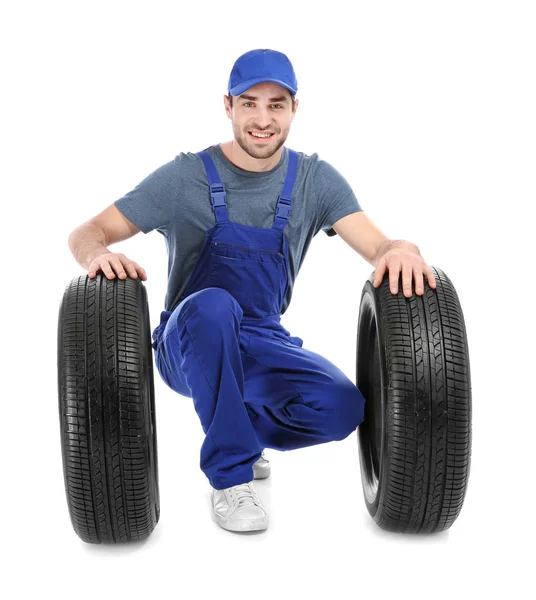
(427, 108)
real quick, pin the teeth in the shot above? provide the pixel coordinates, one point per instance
(261, 134)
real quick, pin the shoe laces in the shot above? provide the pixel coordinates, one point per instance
(244, 495)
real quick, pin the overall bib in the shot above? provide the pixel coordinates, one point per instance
(253, 385)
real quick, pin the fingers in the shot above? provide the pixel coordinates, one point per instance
(419, 283)
(115, 265)
(134, 269)
(409, 271)
(431, 279)
(379, 272)
(407, 274)
(140, 270)
(107, 270)
(394, 273)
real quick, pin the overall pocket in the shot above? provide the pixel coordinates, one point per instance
(252, 276)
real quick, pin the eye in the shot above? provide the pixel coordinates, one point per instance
(280, 105)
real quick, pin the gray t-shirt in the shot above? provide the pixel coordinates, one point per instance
(175, 200)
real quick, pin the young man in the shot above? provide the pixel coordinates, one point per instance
(238, 218)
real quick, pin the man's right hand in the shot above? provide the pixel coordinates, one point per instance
(118, 262)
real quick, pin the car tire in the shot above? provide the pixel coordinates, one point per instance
(107, 410)
(413, 371)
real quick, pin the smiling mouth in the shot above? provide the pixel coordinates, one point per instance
(262, 138)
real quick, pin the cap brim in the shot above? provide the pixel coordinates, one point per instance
(245, 85)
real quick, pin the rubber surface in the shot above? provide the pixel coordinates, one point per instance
(413, 370)
(106, 409)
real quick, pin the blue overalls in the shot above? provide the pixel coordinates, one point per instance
(253, 385)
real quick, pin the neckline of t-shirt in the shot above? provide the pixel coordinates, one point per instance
(231, 167)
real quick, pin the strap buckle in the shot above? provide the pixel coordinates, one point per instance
(218, 194)
(283, 207)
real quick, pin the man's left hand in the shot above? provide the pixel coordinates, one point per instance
(411, 264)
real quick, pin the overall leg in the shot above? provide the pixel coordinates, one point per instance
(202, 347)
(296, 397)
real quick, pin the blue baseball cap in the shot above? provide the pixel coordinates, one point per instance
(261, 65)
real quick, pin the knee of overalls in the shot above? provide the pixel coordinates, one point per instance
(211, 306)
(349, 411)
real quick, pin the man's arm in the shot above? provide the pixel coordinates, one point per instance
(361, 234)
(86, 242)
(91, 238)
(88, 245)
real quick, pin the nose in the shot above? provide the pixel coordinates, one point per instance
(263, 119)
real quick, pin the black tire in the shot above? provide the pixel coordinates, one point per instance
(415, 439)
(107, 410)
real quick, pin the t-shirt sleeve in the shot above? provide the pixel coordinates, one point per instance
(336, 198)
(151, 204)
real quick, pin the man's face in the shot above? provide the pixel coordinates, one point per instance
(270, 111)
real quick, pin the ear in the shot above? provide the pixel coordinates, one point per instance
(227, 106)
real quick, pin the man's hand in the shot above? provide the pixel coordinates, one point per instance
(120, 263)
(410, 263)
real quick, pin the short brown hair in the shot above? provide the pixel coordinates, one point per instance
(292, 97)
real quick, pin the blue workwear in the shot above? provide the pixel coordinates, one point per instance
(253, 385)
(173, 201)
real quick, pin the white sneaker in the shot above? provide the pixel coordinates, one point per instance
(239, 508)
(261, 468)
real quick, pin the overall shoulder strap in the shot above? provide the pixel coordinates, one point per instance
(284, 203)
(217, 190)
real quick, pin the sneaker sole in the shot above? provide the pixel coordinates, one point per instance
(243, 524)
(257, 474)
